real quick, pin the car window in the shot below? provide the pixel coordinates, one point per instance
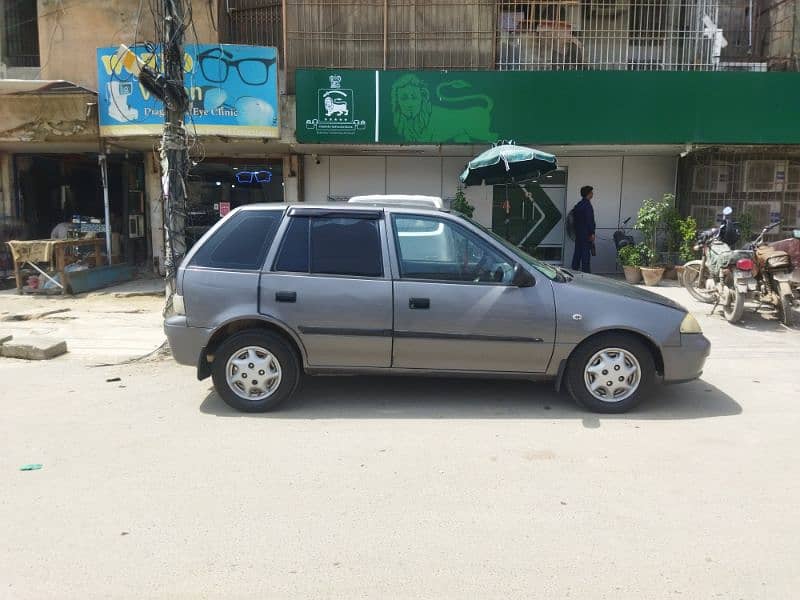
(545, 269)
(293, 255)
(440, 250)
(335, 245)
(346, 246)
(241, 242)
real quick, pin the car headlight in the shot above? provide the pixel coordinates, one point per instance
(690, 324)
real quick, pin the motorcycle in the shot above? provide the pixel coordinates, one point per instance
(621, 237)
(723, 275)
(774, 275)
(792, 247)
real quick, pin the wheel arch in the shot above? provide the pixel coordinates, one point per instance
(655, 351)
(233, 326)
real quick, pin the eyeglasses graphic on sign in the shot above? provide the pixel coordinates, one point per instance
(216, 63)
(254, 176)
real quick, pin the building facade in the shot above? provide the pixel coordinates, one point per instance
(637, 98)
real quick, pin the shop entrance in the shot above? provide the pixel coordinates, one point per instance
(531, 215)
(217, 186)
(66, 190)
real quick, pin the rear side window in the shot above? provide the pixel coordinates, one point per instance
(345, 246)
(241, 242)
(332, 246)
(293, 255)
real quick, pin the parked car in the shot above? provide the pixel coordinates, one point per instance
(274, 291)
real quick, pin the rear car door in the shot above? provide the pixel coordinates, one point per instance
(455, 307)
(330, 282)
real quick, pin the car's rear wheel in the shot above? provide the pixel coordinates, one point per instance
(254, 371)
(610, 373)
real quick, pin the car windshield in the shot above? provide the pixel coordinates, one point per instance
(545, 269)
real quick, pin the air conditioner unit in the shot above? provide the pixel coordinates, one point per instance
(793, 177)
(763, 213)
(705, 215)
(764, 175)
(711, 178)
(742, 66)
(135, 226)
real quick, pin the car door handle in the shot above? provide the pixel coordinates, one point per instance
(420, 303)
(285, 296)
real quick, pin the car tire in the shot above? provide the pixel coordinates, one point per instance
(622, 354)
(259, 354)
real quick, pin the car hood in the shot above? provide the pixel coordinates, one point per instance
(619, 288)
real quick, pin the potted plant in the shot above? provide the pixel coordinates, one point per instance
(460, 203)
(651, 220)
(631, 259)
(688, 232)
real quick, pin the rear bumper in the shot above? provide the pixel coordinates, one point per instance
(185, 342)
(685, 362)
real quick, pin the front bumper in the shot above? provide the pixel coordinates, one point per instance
(185, 342)
(685, 362)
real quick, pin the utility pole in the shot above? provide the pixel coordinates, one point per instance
(174, 149)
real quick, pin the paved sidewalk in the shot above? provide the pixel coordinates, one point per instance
(117, 324)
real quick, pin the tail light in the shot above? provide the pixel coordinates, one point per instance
(744, 264)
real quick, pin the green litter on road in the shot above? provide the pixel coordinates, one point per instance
(31, 467)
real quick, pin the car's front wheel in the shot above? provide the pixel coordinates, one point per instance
(610, 373)
(254, 371)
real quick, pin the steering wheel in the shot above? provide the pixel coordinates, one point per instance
(480, 268)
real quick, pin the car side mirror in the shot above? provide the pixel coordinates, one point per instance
(522, 278)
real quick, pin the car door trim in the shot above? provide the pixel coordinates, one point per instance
(433, 335)
(306, 330)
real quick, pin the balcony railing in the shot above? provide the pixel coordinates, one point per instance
(521, 35)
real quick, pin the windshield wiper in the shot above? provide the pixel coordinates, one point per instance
(566, 275)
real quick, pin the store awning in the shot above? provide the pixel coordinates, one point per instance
(41, 87)
(47, 113)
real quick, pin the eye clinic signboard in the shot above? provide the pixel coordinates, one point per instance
(233, 91)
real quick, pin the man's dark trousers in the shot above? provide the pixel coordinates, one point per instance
(582, 257)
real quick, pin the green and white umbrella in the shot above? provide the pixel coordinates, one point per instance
(506, 162)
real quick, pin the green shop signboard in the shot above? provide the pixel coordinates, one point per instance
(547, 107)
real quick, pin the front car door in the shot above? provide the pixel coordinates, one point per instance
(330, 283)
(455, 308)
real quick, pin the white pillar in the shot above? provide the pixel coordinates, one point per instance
(155, 207)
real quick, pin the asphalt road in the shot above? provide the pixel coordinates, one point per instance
(403, 488)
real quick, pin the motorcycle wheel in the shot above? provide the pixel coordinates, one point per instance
(734, 307)
(695, 283)
(786, 300)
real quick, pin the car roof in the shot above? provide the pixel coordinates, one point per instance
(342, 207)
(399, 200)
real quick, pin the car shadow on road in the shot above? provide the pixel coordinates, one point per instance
(371, 397)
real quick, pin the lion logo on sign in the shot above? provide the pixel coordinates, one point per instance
(417, 119)
(335, 106)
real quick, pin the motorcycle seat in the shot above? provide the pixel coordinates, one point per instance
(772, 258)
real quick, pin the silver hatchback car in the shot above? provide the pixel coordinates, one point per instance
(275, 291)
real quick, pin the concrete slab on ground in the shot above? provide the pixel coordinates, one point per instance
(32, 315)
(98, 329)
(33, 348)
(130, 289)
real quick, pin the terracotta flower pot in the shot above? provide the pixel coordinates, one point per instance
(632, 274)
(679, 273)
(652, 275)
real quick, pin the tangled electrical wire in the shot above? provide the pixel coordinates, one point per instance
(180, 149)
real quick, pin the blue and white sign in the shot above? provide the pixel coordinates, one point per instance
(233, 89)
